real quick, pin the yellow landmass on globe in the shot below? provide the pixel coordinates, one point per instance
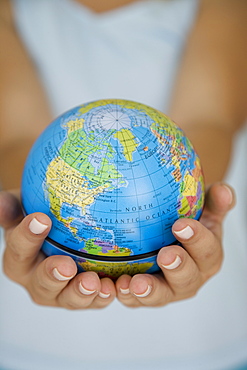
(66, 185)
(114, 270)
(74, 125)
(185, 207)
(127, 139)
(189, 185)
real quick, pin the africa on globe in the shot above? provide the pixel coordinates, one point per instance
(113, 176)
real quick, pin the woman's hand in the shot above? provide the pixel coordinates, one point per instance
(50, 281)
(53, 281)
(184, 270)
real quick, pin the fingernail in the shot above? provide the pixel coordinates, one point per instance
(104, 295)
(37, 227)
(185, 233)
(124, 291)
(59, 276)
(145, 294)
(174, 264)
(85, 291)
(229, 194)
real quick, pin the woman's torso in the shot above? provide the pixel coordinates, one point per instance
(132, 53)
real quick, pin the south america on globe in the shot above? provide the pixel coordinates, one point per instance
(113, 176)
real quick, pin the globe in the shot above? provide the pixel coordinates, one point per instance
(113, 176)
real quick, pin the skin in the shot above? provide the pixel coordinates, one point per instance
(208, 102)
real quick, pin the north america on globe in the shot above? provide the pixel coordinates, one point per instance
(113, 176)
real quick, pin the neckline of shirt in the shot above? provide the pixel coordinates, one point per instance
(124, 12)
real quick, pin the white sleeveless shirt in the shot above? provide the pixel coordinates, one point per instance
(131, 53)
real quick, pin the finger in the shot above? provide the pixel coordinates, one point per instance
(49, 278)
(180, 271)
(10, 210)
(80, 292)
(220, 199)
(86, 290)
(23, 244)
(123, 291)
(149, 290)
(106, 295)
(201, 244)
(143, 290)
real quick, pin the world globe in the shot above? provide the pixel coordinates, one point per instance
(113, 176)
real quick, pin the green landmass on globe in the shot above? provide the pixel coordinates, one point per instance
(113, 175)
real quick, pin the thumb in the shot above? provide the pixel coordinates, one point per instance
(220, 199)
(23, 243)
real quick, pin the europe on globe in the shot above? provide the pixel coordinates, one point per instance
(113, 176)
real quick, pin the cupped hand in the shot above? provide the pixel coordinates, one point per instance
(51, 281)
(183, 270)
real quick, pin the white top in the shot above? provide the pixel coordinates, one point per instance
(130, 53)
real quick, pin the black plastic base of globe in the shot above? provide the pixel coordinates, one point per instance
(111, 266)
